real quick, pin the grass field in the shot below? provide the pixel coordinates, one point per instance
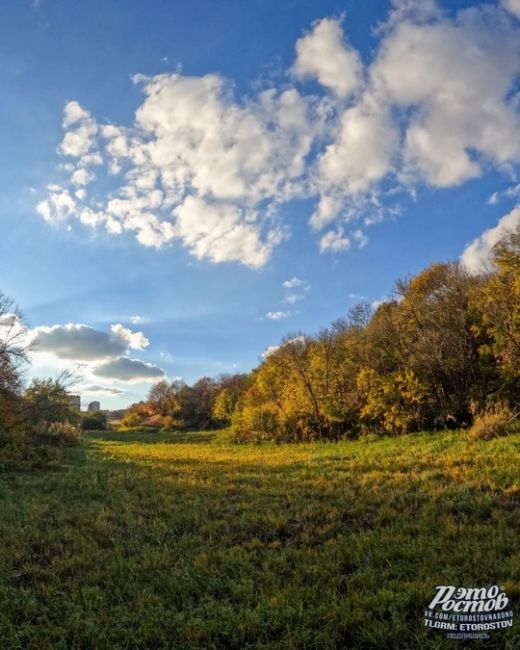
(189, 541)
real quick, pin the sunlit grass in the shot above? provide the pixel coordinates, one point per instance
(190, 541)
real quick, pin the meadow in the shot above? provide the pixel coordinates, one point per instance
(187, 540)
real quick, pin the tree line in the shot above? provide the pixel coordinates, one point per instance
(444, 351)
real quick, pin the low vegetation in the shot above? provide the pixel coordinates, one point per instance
(187, 540)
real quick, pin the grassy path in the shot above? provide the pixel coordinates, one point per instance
(188, 541)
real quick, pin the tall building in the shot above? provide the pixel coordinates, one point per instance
(75, 401)
(94, 407)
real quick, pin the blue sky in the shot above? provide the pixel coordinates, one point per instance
(330, 146)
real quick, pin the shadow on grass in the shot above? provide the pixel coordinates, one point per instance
(153, 437)
(240, 548)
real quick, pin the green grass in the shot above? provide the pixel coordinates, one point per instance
(188, 541)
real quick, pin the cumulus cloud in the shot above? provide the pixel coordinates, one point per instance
(325, 55)
(57, 206)
(334, 242)
(221, 232)
(81, 177)
(477, 255)
(133, 340)
(79, 138)
(92, 354)
(458, 75)
(83, 343)
(360, 156)
(436, 104)
(131, 370)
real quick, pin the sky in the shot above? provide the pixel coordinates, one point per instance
(183, 184)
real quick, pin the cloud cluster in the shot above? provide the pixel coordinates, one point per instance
(96, 353)
(435, 105)
(295, 289)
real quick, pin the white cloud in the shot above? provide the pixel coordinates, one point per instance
(509, 193)
(436, 104)
(335, 242)
(137, 319)
(277, 315)
(375, 304)
(293, 288)
(270, 349)
(360, 156)
(324, 55)
(477, 255)
(74, 113)
(457, 75)
(58, 206)
(222, 232)
(296, 283)
(77, 141)
(129, 370)
(134, 340)
(81, 177)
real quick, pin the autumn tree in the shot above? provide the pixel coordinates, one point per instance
(501, 305)
(163, 397)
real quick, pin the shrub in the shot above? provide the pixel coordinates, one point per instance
(96, 422)
(59, 433)
(168, 423)
(256, 423)
(493, 423)
(131, 419)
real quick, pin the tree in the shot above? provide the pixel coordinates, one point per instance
(47, 400)
(500, 301)
(196, 403)
(163, 398)
(439, 338)
(14, 349)
(229, 394)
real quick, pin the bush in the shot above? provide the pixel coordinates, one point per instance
(168, 423)
(130, 420)
(257, 423)
(97, 422)
(495, 422)
(59, 433)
